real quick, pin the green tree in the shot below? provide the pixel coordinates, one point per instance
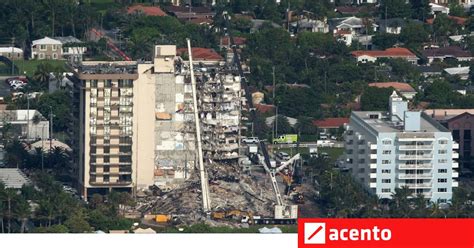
(373, 99)
(443, 27)
(305, 126)
(421, 9)
(413, 34)
(283, 125)
(384, 40)
(395, 9)
(76, 223)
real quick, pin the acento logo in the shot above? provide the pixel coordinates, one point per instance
(315, 233)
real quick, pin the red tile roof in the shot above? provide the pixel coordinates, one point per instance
(147, 10)
(330, 122)
(390, 52)
(200, 53)
(457, 19)
(239, 41)
(454, 51)
(265, 108)
(402, 87)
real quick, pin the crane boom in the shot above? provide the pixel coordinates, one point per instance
(206, 200)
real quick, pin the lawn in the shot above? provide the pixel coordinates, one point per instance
(28, 67)
(333, 152)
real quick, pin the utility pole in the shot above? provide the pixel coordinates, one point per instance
(274, 103)
(13, 55)
(51, 129)
(27, 115)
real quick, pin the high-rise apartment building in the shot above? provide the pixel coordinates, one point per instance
(388, 150)
(136, 121)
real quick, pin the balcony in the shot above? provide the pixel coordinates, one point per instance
(373, 185)
(455, 155)
(373, 175)
(455, 174)
(455, 165)
(373, 146)
(415, 185)
(415, 176)
(416, 157)
(404, 166)
(415, 147)
(455, 145)
(455, 184)
(373, 156)
(373, 166)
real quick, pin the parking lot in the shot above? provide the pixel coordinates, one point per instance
(4, 87)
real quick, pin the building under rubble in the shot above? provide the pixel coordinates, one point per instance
(137, 125)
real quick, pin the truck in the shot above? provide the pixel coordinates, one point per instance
(286, 139)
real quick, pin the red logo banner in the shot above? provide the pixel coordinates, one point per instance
(380, 233)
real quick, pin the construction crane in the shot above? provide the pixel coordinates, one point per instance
(281, 210)
(206, 199)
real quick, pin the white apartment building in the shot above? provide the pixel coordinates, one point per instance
(386, 150)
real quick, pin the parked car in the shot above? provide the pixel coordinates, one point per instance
(250, 140)
(283, 156)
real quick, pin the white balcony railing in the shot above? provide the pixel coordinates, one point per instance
(404, 166)
(455, 155)
(455, 145)
(415, 176)
(455, 174)
(373, 156)
(373, 185)
(417, 157)
(415, 185)
(455, 165)
(455, 184)
(373, 146)
(415, 147)
(373, 166)
(373, 175)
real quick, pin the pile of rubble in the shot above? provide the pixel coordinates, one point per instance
(229, 189)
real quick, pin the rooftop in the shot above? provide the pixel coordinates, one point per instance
(331, 122)
(10, 49)
(383, 124)
(147, 10)
(446, 114)
(13, 178)
(200, 53)
(390, 52)
(453, 51)
(239, 41)
(107, 67)
(401, 87)
(67, 39)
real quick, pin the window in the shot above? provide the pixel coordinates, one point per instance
(55, 48)
(106, 149)
(387, 142)
(386, 162)
(55, 56)
(386, 190)
(106, 159)
(442, 151)
(442, 200)
(443, 142)
(386, 180)
(387, 152)
(386, 171)
(41, 55)
(442, 161)
(442, 170)
(106, 168)
(106, 178)
(442, 190)
(94, 83)
(442, 180)
(43, 47)
(361, 170)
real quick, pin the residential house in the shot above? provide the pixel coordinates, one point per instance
(270, 120)
(344, 36)
(403, 88)
(391, 53)
(461, 71)
(191, 13)
(443, 53)
(330, 125)
(224, 42)
(429, 71)
(26, 124)
(202, 55)
(145, 10)
(58, 48)
(437, 8)
(13, 178)
(310, 25)
(352, 28)
(392, 25)
(461, 124)
(258, 23)
(12, 53)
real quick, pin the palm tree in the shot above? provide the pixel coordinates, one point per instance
(10, 195)
(401, 202)
(22, 212)
(42, 74)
